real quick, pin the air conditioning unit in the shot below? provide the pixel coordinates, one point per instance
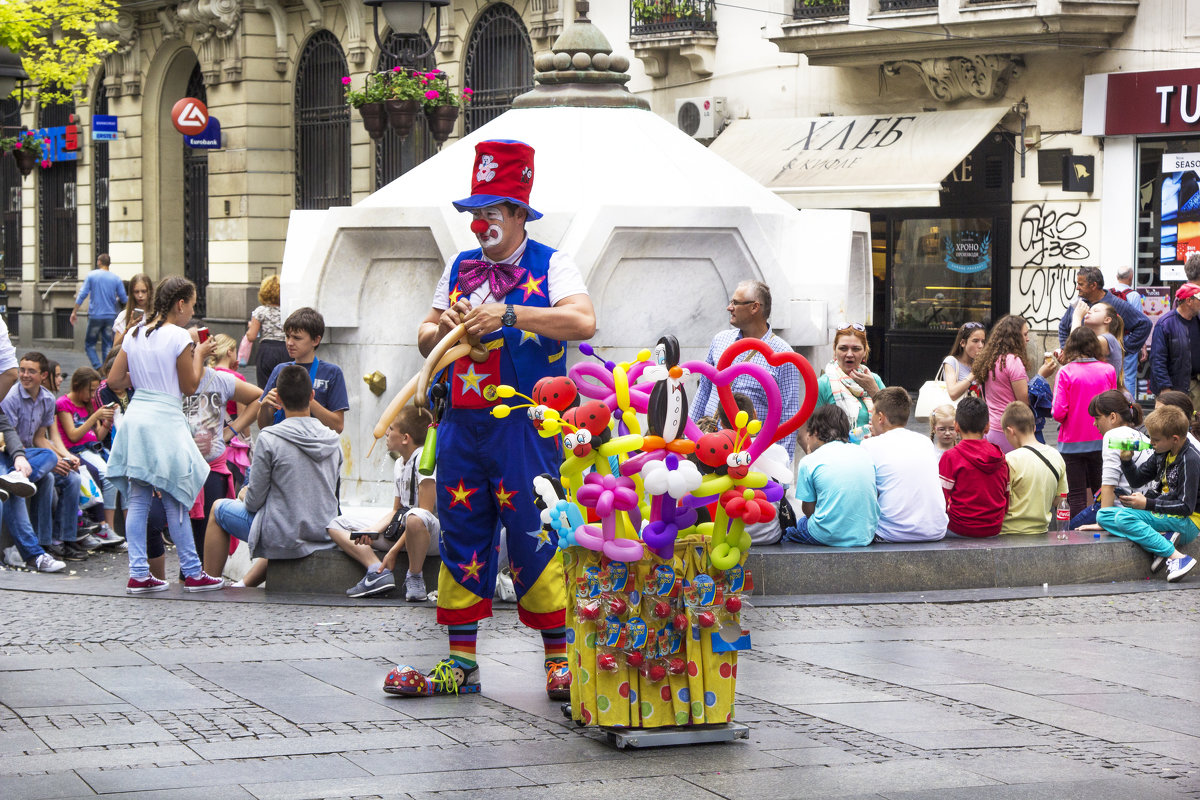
(700, 117)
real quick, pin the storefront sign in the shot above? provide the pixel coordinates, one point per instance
(1180, 162)
(968, 252)
(189, 116)
(104, 128)
(1162, 101)
(64, 142)
(208, 139)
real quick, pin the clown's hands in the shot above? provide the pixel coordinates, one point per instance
(484, 319)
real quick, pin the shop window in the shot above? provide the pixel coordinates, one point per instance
(499, 64)
(942, 273)
(322, 125)
(1168, 211)
(63, 329)
(12, 318)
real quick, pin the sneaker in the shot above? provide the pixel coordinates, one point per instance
(16, 483)
(73, 552)
(108, 537)
(89, 542)
(55, 549)
(1178, 567)
(558, 680)
(48, 563)
(414, 588)
(145, 585)
(504, 587)
(203, 582)
(445, 678)
(1158, 561)
(374, 582)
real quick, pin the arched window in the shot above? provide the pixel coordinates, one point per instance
(394, 157)
(499, 64)
(10, 185)
(100, 173)
(195, 205)
(322, 125)
(58, 221)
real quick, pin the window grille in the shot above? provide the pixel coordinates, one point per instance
(499, 64)
(322, 121)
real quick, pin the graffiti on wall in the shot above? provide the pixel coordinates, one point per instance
(1051, 240)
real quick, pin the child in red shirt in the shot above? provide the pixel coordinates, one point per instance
(974, 475)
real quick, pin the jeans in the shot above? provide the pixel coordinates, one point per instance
(1131, 365)
(45, 518)
(16, 519)
(800, 534)
(98, 329)
(1145, 528)
(140, 496)
(234, 518)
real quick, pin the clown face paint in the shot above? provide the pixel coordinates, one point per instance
(499, 232)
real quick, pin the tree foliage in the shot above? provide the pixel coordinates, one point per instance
(59, 41)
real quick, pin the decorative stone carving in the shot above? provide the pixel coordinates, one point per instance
(960, 77)
(274, 10)
(356, 43)
(215, 26)
(698, 47)
(122, 66)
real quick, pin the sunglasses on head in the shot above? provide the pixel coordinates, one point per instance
(853, 326)
(972, 325)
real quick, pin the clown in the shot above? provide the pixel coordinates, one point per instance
(521, 300)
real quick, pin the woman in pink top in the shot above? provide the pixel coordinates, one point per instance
(1002, 369)
(83, 424)
(1082, 377)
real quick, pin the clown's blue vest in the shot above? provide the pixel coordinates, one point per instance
(525, 358)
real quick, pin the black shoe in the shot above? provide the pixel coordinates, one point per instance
(56, 550)
(72, 551)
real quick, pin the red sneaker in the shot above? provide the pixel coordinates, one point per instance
(203, 582)
(558, 680)
(145, 585)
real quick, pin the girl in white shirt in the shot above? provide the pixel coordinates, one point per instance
(154, 449)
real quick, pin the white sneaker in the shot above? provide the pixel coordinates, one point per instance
(48, 563)
(414, 588)
(16, 483)
(504, 587)
(108, 537)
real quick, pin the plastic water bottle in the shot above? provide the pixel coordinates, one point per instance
(859, 433)
(1062, 516)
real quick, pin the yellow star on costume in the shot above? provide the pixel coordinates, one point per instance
(470, 571)
(471, 380)
(461, 495)
(530, 336)
(516, 574)
(533, 286)
(504, 498)
(542, 535)
(455, 296)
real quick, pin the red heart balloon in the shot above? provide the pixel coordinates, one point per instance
(808, 400)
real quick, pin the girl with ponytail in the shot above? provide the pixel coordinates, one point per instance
(1117, 420)
(154, 449)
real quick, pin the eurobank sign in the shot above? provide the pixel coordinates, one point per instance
(207, 139)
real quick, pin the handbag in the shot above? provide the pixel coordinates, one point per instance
(932, 395)
(244, 348)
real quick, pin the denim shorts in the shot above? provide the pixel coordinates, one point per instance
(233, 518)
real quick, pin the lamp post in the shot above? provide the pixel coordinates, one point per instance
(11, 72)
(407, 17)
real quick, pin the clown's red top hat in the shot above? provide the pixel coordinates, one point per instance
(503, 173)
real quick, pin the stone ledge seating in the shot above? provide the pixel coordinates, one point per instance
(789, 569)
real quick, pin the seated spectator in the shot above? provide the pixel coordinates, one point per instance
(846, 382)
(1117, 419)
(291, 494)
(82, 425)
(412, 522)
(1181, 401)
(911, 506)
(304, 328)
(941, 428)
(1037, 474)
(1166, 514)
(15, 486)
(974, 475)
(835, 485)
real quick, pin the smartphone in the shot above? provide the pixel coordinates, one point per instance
(202, 335)
(113, 404)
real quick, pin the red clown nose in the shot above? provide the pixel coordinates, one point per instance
(479, 226)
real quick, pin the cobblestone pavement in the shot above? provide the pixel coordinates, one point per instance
(235, 696)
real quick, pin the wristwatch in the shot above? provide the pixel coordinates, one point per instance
(510, 317)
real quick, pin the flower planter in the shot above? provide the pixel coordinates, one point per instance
(402, 115)
(441, 121)
(26, 160)
(374, 119)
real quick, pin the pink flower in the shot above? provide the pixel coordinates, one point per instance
(432, 94)
(424, 79)
(46, 164)
(17, 146)
(346, 81)
(468, 91)
(397, 69)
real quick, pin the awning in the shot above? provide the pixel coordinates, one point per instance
(856, 162)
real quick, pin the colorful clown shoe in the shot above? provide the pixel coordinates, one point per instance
(558, 680)
(445, 678)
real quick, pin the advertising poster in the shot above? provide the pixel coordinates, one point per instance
(1179, 233)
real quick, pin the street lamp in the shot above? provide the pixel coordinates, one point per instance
(406, 17)
(11, 72)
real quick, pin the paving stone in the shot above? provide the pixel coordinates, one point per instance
(329, 768)
(842, 780)
(81, 658)
(43, 787)
(59, 738)
(888, 717)
(787, 687)
(735, 757)
(241, 652)
(89, 759)
(1026, 768)
(817, 756)
(994, 736)
(1114, 788)
(46, 688)
(18, 741)
(228, 792)
(328, 743)
(591, 790)
(474, 780)
(1170, 713)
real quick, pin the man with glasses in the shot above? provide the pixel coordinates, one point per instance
(749, 311)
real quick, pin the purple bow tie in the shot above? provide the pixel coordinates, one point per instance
(503, 277)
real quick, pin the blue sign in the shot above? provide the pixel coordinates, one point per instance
(208, 139)
(104, 128)
(64, 143)
(969, 252)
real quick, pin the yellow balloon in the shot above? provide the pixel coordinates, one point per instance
(551, 414)
(501, 411)
(644, 355)
(741, 419)
(621, 386)
(754, 427)
(504, 390)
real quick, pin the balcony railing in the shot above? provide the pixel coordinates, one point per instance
(819, 9)
(906, 5)
(670, 16)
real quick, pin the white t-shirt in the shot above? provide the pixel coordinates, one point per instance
(1111, 474)
(119, 322)
(563, 276)
(408, 479)
(912, 507)
(152, 358)
(205, 412)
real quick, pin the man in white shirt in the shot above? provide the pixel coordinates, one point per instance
(911, 505)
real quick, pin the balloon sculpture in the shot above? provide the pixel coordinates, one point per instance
(655, 593)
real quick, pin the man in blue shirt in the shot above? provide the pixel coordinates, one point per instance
(107, 293)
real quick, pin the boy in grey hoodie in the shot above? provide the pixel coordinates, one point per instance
(285, 507)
